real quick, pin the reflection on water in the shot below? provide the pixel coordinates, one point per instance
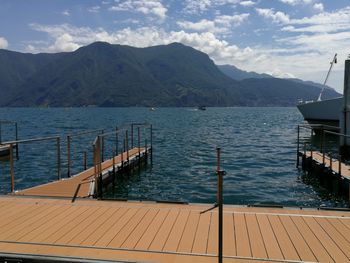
(258, 153)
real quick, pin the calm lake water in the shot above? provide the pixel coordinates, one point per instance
(258, 153)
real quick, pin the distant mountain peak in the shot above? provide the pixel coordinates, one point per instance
(109, 75)
(239, 74)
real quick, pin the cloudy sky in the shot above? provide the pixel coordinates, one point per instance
(285, 38)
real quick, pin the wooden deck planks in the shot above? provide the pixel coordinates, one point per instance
(273, 249)
(146, 231)
(77, 185)
(327, 242)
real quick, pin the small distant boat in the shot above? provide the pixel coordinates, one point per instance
(201, 108)
(152, 109)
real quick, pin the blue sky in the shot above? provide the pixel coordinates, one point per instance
(285, 38)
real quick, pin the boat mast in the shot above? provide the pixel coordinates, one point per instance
(334, 61)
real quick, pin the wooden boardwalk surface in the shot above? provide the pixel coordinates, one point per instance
(153, 232)
(78, 185)
(318, 157)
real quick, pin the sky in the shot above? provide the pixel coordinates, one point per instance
(284, 38)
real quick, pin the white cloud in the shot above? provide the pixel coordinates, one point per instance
(65, 13)
(200, 6)
(296, 2)
(3, 43)
(69, 38)
(247, 3)
(153, 7)
(94, 9)
(221, 24)
(278, 17)
(318, 7)
(338, 20)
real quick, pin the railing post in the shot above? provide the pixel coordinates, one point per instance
(0, 133)
(151, 131)
(12, 170)
(139, 142)
(339, 165)
(68, 156)
(298, 146)
(127, 146)
(220, 174)
(311, 152)
(58, 143)
(116, 141)
(17, 153)
(132, 135)
(103, 148)
(323, 146)
(122, 154)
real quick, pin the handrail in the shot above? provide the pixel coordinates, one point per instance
(15, 143)
(69, 138)
(32, 140)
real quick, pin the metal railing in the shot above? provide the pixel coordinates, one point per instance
(69, 141)
(13, 144)
(99, 148)
(314, 127)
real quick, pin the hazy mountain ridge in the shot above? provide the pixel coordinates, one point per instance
(102, 74)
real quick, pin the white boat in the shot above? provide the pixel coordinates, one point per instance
(321, 111)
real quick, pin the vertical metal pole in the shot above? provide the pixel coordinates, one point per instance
(323, 147)
(68, 156)
(58, 143)
(151, 131)
(17, 153)
(139, 142)
(127, 146)
(132, 135)
(146, 150)
(103, 148)
(85, 160)
(298, 147)
(12, 170)
(122, 154)
(116, 141)
(219, 201)
(311, 152)
(113, 162)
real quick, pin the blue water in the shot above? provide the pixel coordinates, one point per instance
(258, 153)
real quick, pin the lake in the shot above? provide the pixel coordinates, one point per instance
(258, 153)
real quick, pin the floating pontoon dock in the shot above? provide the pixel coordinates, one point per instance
(83, 184)
(330, 168)
(158, 232)
(43, 224)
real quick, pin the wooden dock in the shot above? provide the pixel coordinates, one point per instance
(82, 184)
(158, 232)
(333, 174)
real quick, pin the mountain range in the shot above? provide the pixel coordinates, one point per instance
(107, 75)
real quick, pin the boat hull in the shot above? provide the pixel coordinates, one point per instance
(322, 111)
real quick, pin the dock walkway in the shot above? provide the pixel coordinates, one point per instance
(80, 185)
(341, 168)
(158, 232)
